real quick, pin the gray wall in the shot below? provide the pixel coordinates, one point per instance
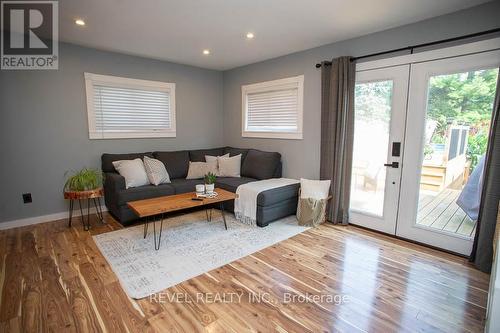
(43, 126)
(301, 157)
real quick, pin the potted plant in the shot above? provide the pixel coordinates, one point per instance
(210, 182)
(84, 180)
(85, 184)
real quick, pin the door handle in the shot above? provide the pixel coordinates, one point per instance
(392, 165)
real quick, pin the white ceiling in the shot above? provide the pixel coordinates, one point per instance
(178, 31)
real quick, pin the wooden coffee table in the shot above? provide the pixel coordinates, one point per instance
(161, 206)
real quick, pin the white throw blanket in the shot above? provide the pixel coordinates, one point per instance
(245, 204)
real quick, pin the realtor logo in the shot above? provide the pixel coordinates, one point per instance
(29, 35)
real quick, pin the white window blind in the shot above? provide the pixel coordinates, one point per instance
(129, 108)
(273, 109)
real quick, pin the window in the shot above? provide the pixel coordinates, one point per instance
(119, 107)
(273, 109)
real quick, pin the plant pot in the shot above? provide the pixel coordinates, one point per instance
(209, 188)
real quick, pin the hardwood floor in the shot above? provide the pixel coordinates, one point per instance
(53, 278)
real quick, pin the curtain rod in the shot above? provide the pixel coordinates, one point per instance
(410, 48)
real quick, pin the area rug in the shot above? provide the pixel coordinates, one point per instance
(190, 246)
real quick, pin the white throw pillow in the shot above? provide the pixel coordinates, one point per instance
(229, 166)
(198, 170)
(214, 159)
(315, 189)
(133, 171)
(156, 171)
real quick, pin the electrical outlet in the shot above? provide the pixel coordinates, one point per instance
(27, 198)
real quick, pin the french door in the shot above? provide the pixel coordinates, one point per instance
(380, 109)
(442, 153)
(416, 133)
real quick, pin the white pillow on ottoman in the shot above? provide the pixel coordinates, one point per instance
(133, 171)
(315, 189)
(156, 171)
(229, 166)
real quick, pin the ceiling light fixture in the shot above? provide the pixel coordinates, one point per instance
(79, 22)
(250, 35)
(206, 52)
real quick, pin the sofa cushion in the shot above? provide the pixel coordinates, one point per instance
(277, 195)
(108, 159)
(260, 164)
(229, 166)
(133, 171)
(144, 192)
(236, 151)
(176, 162)
(199, 155)
(232, 183)
(185, 185)
(198, 170)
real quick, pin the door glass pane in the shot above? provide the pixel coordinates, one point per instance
(373, 105)
(459, 108)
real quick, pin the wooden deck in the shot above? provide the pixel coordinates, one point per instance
(441, 212)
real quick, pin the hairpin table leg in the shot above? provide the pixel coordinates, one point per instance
(98, 209)
(157, 246)
(208, 213)
(146, 227)
(86, 225)
(71, 205)
(223, 216)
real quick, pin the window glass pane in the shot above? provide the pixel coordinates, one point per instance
(458, 114)
(273, 110)
(120, 107)
(373, 105)
(125, 109)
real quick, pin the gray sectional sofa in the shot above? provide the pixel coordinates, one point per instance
(255, 165)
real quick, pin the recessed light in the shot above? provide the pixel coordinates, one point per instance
(79, 22)
(250, 35)
(206, 52)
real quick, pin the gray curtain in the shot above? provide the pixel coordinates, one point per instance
(482, 250)
(337, 127)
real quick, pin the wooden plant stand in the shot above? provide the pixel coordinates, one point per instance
(94, 195)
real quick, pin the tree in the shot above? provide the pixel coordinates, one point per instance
(465, 98)
(373, 101)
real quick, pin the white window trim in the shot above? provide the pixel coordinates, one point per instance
(296, 81)
(123, 82)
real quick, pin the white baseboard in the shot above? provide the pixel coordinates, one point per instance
(45, 218)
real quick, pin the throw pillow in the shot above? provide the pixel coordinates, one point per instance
(156, 171)
(133, 171)
(214, 159)
(198, 170)
(315, 189)
(229, 166)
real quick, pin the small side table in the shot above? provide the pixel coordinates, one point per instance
(94, 195)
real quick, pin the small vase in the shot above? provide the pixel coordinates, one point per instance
(200, 189)
(209, 188)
